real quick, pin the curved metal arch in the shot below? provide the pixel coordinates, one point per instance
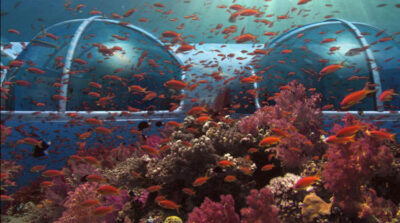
(363, 42)
(72, 48)
(68, 58)
(170, 52)
(370, 59)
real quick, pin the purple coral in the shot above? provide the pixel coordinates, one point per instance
(261, 207)
(296, 113)
(210, 211)
(74, 211)
(350, 166)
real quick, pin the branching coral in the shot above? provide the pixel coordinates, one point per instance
(261, 207)
(9, 170)
(350, 166)
(298, 115)
(183, 162)
(215, 212)
(74, 211)
(287, 199)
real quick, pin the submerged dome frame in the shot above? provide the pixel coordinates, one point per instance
(65, 77)
(372, 65)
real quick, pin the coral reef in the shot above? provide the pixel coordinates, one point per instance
(180, 161)
(299, 116)
(351, 166)
(216, 170)
(215, 212)
(261, 207)
(287, 199)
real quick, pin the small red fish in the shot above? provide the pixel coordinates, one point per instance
(267, 167)
(333, 139)
(230, 178)
(52, 173)
(200, 181)
(149, 149)
(175, 84)
(355, 97)
(349, 130)
(202, 119)
(225, 163)
(154, 188)
(270, 140)
(103, 210)
(189, 191)
(381, 135)
(168, 204)
(108, 190)
(90, 203)
(305, 182)
(387, 95)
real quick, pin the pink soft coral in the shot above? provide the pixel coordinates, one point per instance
(215, 212)
(261, 207)
(296, 113)
(350, 166)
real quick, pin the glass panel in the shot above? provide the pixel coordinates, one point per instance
(37, 81)
(304, 54)
(386, 52)
(112, 63)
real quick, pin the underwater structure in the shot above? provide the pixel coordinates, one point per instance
(365, 52)
(102, 121)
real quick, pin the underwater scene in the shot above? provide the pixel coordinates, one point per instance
(200, 111)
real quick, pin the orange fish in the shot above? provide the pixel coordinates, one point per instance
(251, 79)
(355, 97)
(52, 173)
(230, 179)
(267, 167)
(90, 203)
(305, 182)
(330, 69)
(196, 110)
(91, 160)
(95, 178)
(103, 210)
(387, 95)
(349, 130)
(200, 181)
(339, 140)
(270, 140)
(103, 130)
(202, 119)
(189, 191)
(174, 124)
(302, 2)
(107, 190)
(47, 183)
(185, 48)
(225, 163)
(246, 37)
(252, 150)
(168, 204)
(38, 168)
(246, 170)
(175, 84)
(154, 188)
(136, 88)
(93, 121)
(381, 135)
(149, 149)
